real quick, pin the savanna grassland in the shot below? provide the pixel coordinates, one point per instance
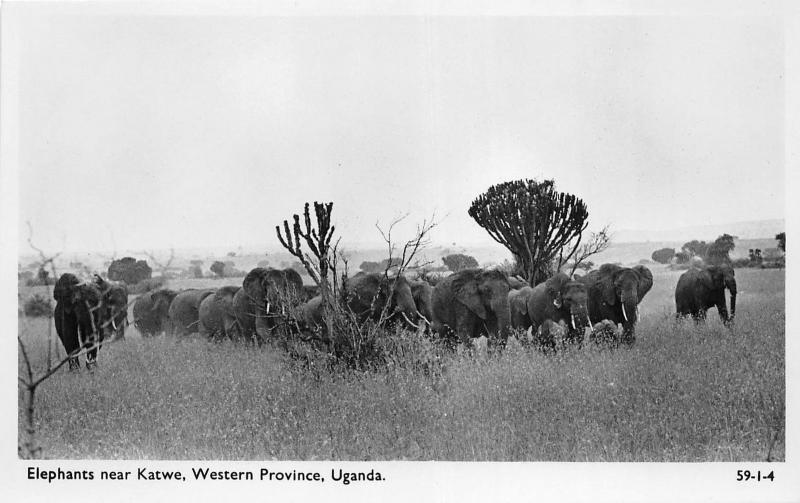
(682, 393)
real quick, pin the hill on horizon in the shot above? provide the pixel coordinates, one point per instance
(752, 229)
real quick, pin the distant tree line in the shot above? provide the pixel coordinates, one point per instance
(715, 253)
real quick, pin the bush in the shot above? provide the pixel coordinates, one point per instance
(663, 256)
(740, 262)
(129, 270)
(458, 262)
(147, 285)
(682, 257)
(218, 268)
(38, 306)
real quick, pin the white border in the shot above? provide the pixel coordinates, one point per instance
(438, 481)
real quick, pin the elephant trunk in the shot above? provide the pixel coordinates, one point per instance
(406, 308)
(262, 324)
(579, 318)
(502, 310)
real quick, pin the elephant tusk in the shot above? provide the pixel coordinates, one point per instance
(113, 324)
(409, 321)
(572, 319)
(427, 322)
(624, 314)
(268, 304)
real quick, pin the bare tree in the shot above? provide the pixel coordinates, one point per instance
(162, 267)
(406, 257)
(580, 253)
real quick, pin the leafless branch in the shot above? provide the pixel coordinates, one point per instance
(162, 267)
(597, 243)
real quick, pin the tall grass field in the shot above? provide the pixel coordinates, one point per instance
(682, 393)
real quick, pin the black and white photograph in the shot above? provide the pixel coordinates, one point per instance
(371, 252)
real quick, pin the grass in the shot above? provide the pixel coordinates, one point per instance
(682, 393)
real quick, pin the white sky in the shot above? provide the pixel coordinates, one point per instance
(154, 132)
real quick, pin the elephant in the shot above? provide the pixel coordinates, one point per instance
(262, 302)
(115, 302)
(518, 303)
(517, 283)
(559, 299)
(367, 295)
(184, 311)
(151, 311)
(422, 292)
(701, 288)
(216, 317)
(310, 291)
(310, 314)
(79, 317)
(471, 303)
(615, 293)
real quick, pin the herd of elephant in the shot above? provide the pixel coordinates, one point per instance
(459, 308)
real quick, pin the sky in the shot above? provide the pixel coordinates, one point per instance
(152, 132)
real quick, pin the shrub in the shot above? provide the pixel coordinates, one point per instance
(663, 256)
(718, 251)
(38, 306)
(740, 262)
(458, 262)
(129, 270)
(682, 257)
(218, 268)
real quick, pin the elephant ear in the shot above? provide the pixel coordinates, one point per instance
(160, 301)
(465, 288)
(253, 281)
(555, 287)
(369, 287)
(645, 280)
(717, 277)
(523, 306)
(605, 281)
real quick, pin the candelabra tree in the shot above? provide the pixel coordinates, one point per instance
(534, 221)
(321, 261)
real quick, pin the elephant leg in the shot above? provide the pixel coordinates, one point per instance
(543, 338)
(722, 310)
(90, 340)
(227, 328)
(464, 328)
(628, 336)
(67, 331)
